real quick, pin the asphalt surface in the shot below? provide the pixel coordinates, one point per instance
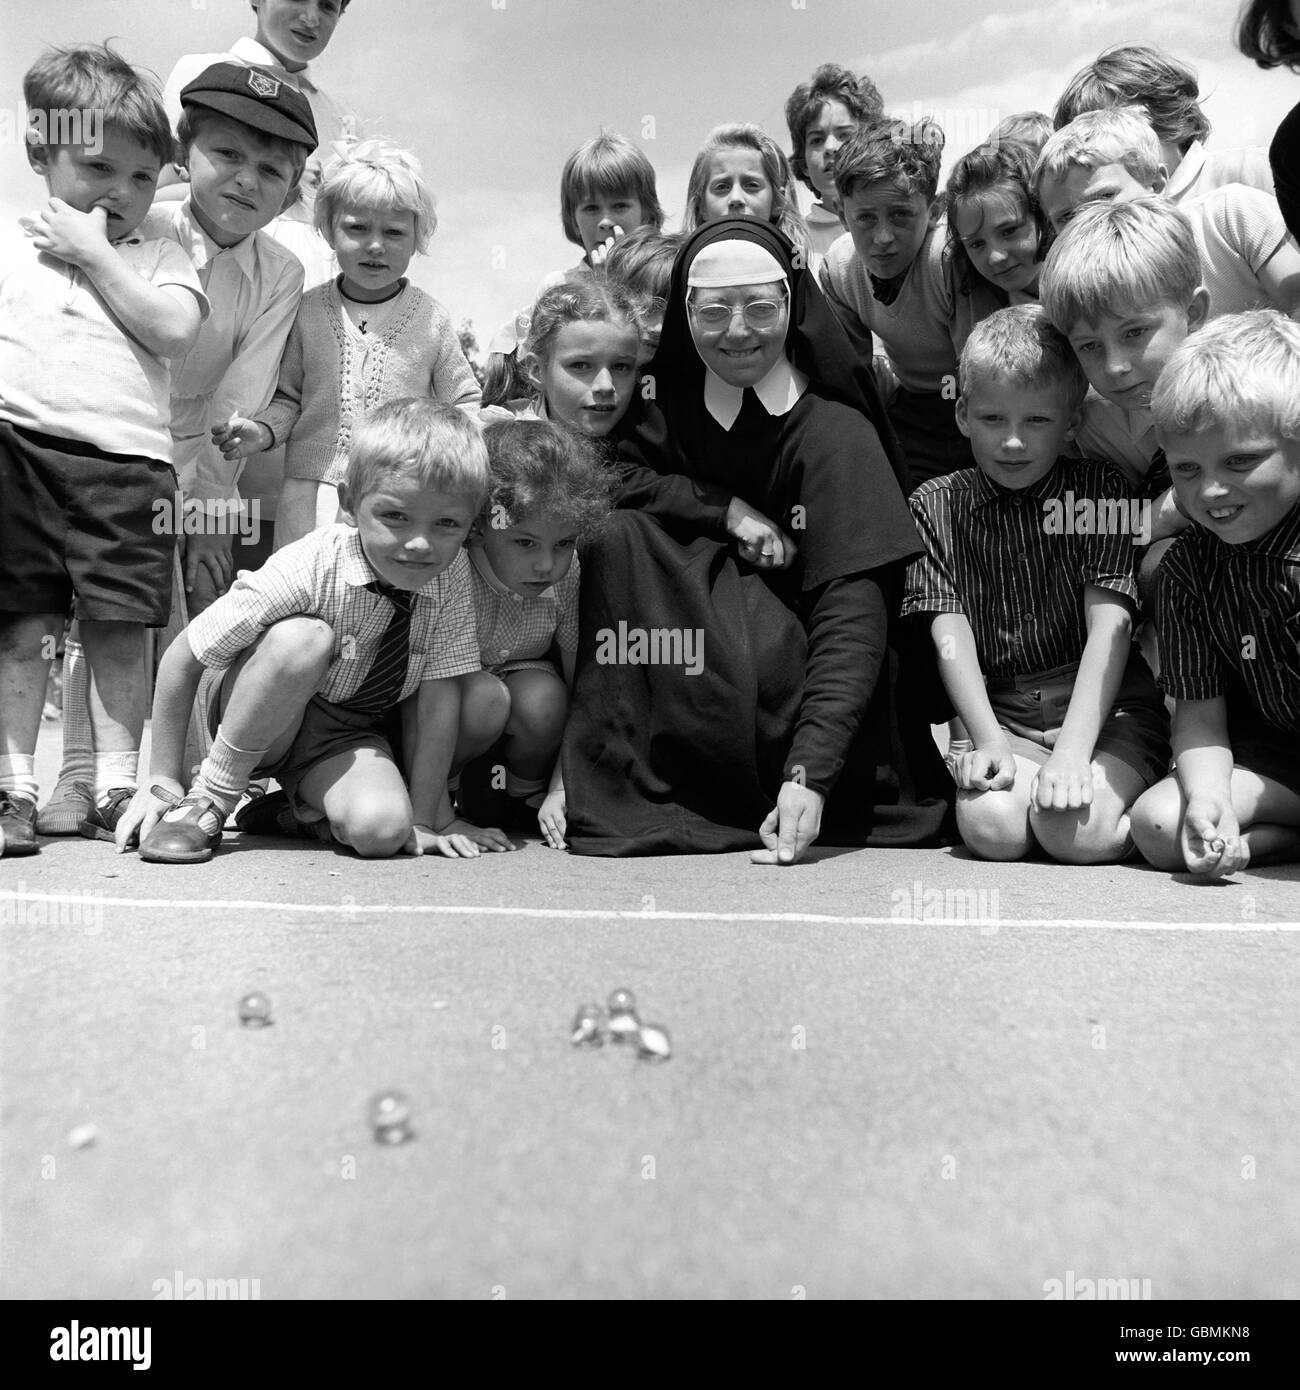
(895, 1074)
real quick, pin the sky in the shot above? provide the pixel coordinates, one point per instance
(492, 95)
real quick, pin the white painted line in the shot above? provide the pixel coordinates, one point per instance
(612, 915)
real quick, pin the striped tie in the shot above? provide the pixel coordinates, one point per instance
(387, 674)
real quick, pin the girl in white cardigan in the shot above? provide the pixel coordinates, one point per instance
(362, 339)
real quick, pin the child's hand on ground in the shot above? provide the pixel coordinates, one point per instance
(791, 826)
(72, 236)
(1063, 783)
(211, 553)
(240, 437)
(1211, 837)
(551, 819)
(762, 543)
(459, 840)
(991, 768)
(144, 812)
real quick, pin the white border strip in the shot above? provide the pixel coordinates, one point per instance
(611, 915)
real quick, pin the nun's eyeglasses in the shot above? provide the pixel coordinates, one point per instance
(758, 313)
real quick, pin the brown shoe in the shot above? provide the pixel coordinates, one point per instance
(17, 825)
(188, 833)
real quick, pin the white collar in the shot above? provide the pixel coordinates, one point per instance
(200, 247)
(250, 51)
(778, 391)
(1188, 171)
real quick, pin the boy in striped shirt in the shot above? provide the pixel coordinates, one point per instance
(1227, 409)
(1027, 585)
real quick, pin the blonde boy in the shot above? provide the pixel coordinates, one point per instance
(307, 657)
(1248, 259)
(1227, 409)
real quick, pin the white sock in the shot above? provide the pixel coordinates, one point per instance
(226, 772)
(18, 774)
(113, 770)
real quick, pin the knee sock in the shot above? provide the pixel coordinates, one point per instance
(226, 771)
(18, 774)
(78, 737)
(113, 770)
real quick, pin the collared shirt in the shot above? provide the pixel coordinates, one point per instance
(1125, 438)
(324, 576)
(67, 368)
(254, 288)
(1231, 613)
(778, 391)
(512, 628)
(1202, 170)
(1016, 562)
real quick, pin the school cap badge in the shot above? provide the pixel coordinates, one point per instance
(262, 84)
(255, 98)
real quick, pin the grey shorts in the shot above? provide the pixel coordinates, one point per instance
(1031, 710)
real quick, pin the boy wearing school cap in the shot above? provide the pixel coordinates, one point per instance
(291, 35)
(246, 136)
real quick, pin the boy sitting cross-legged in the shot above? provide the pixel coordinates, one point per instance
(302, 660)
(1227, 407)
(1029, 598)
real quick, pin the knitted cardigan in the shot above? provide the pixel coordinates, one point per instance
(332, 376)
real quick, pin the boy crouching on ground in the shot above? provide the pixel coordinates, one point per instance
(299, 664)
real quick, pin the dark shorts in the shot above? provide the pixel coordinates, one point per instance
(1031, 710)
(326, 731)
(1263, 748)
(75, 521)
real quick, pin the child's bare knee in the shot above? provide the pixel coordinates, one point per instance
(539, 709)
(993, 825)
(376, 831)
(1089, 836)
(1156, 821)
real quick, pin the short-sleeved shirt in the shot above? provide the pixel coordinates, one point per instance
(1229, 617)
(1238, 230)
(68, 369)
(254, 288)
(324, 576)
(1202, 170)
(1016, 562)
(514, 629)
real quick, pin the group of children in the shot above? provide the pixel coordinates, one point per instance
(1096, 317)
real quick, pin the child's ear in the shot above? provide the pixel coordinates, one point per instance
(935, 211)
(1076, 420)
(1160, 180)
(959, 413)
(38, 156)
(475, 534)
(346, 505)
(1199, 309)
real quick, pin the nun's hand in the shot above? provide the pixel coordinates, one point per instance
(791, 826)
(761, 543)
